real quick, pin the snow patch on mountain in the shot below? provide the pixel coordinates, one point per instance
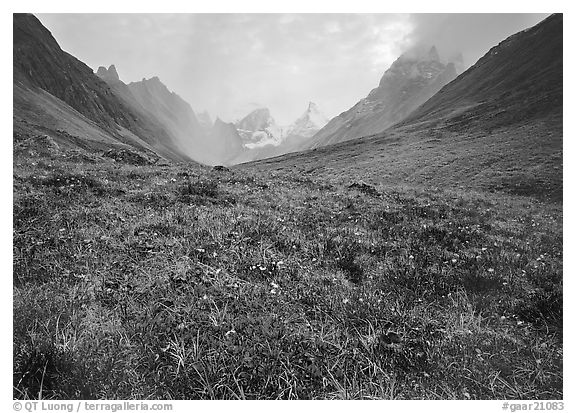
(311, 121)
(258, 129)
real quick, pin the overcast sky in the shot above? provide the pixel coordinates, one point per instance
(231, 63)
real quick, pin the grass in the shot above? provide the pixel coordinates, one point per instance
(183, 282)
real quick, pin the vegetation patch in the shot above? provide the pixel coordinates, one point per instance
(173, 282)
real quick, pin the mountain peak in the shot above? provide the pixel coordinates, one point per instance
(311, 121)
(153, 80)
(312, 106)
(433, 54)
(108, 75)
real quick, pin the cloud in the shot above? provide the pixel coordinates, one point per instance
(470, 34)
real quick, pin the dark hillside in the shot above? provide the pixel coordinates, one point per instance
(39, 62)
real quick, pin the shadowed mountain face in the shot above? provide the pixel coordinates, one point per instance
(57, 94)
(497, 127)
(517, 81)
(227, 143)
(205, 142)
(412, 79)
(176, 115)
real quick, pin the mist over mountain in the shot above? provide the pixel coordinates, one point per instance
(205, 121)
(411, 80)
(226, 141)
(176, 115)
(496, 127)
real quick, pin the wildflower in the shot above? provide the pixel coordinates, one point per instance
(345, 301)
(411, 257)
(490, 269)
(454, 260)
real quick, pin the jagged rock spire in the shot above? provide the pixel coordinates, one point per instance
(433, 54)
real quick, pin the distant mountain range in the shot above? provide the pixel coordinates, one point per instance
(422, 119)
(264, 138)
(496, 127)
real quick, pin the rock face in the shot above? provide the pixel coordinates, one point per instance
(411, 80)
(55, 91)
(258, 129)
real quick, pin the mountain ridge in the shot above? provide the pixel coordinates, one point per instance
(413, 78)
(40, 64)
(496, 127)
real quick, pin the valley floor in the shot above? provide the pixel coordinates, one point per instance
(184, 282)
